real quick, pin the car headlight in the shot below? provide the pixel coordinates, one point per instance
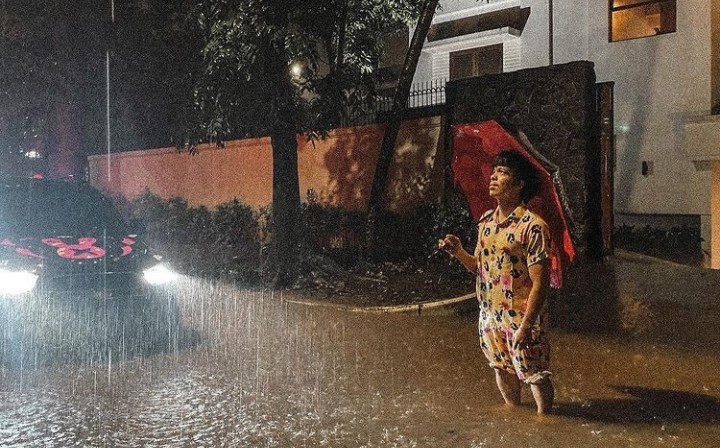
(159, 274)
(16, 282)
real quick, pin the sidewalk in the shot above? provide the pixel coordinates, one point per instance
(636, 282)
(454, 305)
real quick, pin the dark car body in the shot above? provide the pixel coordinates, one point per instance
(71, 236)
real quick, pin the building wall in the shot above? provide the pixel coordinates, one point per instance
(570, 29)
(715, 53)
(437, 64)
(659, 82)
(535, 40)
(339, 169)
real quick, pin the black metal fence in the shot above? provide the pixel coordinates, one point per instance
(422, 94)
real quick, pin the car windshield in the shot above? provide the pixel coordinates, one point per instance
(55, 209)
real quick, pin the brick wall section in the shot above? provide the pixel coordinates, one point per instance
(339, 169)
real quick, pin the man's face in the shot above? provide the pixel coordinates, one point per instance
(503, 185)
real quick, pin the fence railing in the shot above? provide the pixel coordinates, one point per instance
(422, 94)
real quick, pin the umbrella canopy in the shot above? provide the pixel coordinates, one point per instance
(475, 146)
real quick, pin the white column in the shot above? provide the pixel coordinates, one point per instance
(715, 215)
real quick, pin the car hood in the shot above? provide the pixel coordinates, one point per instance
(63, 253)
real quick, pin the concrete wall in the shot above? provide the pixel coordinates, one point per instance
(659, 82)
(339, 169)
(535, 37)
(715, 52)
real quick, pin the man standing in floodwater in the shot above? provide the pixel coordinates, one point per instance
(512, 265)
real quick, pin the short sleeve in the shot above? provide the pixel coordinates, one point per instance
(484, 218)
(478, 246)
(538, 242)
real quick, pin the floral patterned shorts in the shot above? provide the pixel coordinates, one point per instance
(530, 364)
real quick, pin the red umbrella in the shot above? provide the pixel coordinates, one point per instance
(475, 146)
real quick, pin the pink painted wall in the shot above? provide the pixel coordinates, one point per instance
(339, 169)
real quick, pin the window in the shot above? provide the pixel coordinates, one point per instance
(631, 19)
(476, 62)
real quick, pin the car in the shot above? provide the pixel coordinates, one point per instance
(78, 283)
(64, 235)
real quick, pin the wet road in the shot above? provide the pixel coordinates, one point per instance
(246, 368)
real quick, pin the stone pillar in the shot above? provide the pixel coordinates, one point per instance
(702, 145)
(715, 55)
(715, 215)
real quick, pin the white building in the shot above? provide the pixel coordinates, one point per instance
(662, 56)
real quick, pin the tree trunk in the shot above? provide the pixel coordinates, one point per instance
(392, 128)
(285, 207)
(285, 231)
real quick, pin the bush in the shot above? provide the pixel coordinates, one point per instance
(221, 241)
(331, 230)
(236, 225)
(438, 219)
(339, 233)
(231, 238)
(681, 244)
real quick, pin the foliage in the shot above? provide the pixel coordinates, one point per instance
(54, 74)
(331, 230)
(236, 224)
(438, 219)
(230, 239)
(45, 47)
(336, 44)
(404, 236)
(221, 241)
(155, 61)
(681, 244)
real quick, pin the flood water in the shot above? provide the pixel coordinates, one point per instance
(246, 368)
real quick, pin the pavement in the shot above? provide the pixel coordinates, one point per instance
(453, 305)
(635, 280)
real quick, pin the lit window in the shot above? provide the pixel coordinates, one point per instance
(631, 19)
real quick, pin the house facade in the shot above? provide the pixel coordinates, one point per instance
(661, 55)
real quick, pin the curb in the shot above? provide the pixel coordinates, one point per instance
(642, 258)
(443, 307)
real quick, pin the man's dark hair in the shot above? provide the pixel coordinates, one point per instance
(522, 169)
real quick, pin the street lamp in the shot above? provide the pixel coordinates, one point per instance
(297, 70)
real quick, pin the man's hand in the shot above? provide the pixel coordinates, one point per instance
(451, 244)
(522, 338)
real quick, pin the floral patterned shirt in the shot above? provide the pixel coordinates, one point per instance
(504, 252)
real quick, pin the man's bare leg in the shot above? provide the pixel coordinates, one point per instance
(509, 386)
(544, 395)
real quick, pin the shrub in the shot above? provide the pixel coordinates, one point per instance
(437, 219)
(681, 244)
(224, 240)
(231, 238)
(331, 230)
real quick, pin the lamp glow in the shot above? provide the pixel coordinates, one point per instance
(16, 282)
(159, 275)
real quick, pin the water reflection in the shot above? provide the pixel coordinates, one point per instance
(54, 328)
(264, 372)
